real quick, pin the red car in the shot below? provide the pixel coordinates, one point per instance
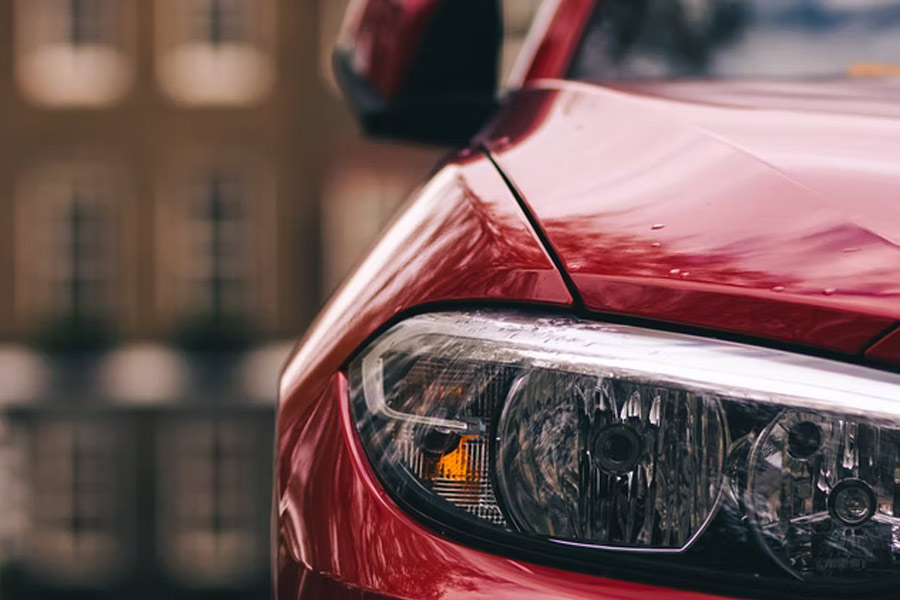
(638, 339)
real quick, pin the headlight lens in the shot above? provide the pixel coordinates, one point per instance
(825, 494)
(580, 435)
(612, 462)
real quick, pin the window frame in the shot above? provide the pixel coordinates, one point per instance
(56, 68)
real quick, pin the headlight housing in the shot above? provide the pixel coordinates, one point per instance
(578, 440)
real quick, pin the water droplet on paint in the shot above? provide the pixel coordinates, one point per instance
(685, 274)
(829, 291)
(850, 250)
(656, 245)
(778, 288)
(674, 272)
(658, 226)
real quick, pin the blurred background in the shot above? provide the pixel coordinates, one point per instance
(180, 190)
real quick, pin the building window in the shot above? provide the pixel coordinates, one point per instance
(66, 250)
(219, 22)
(217, 52)
(86, 22)
(216, 245)
(80, 277)
(13, 470)
(76, 529)
(213, 222)
(214, 502)
(217, 238)
(74, 52)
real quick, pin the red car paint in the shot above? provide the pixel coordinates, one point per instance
(386, 34)
(886, 350)
(560, 40)
(462, 238)
(747, 213)
(762, 210)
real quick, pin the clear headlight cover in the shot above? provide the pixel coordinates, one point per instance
(592, 437)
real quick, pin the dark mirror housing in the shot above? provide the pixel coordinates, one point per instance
(421, 70)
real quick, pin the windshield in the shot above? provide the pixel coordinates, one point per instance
(673, 39)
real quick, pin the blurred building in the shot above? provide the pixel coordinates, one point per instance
(179, 191)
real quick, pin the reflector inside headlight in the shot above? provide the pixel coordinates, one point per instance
(825, 494)
(599, 437)
(611, 461)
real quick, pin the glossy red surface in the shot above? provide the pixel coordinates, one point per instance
(383, 36)
(769, 210)
(341, 535)
(758, 209)
(558, 44)
(886, 350)
(463, 237)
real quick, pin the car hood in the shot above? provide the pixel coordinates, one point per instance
(764, 209)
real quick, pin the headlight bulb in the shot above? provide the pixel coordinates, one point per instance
(824, 494)
(851, 502)
(642, 465)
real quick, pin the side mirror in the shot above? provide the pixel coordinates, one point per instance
(421, 70)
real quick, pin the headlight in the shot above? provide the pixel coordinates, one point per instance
(581, 436)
